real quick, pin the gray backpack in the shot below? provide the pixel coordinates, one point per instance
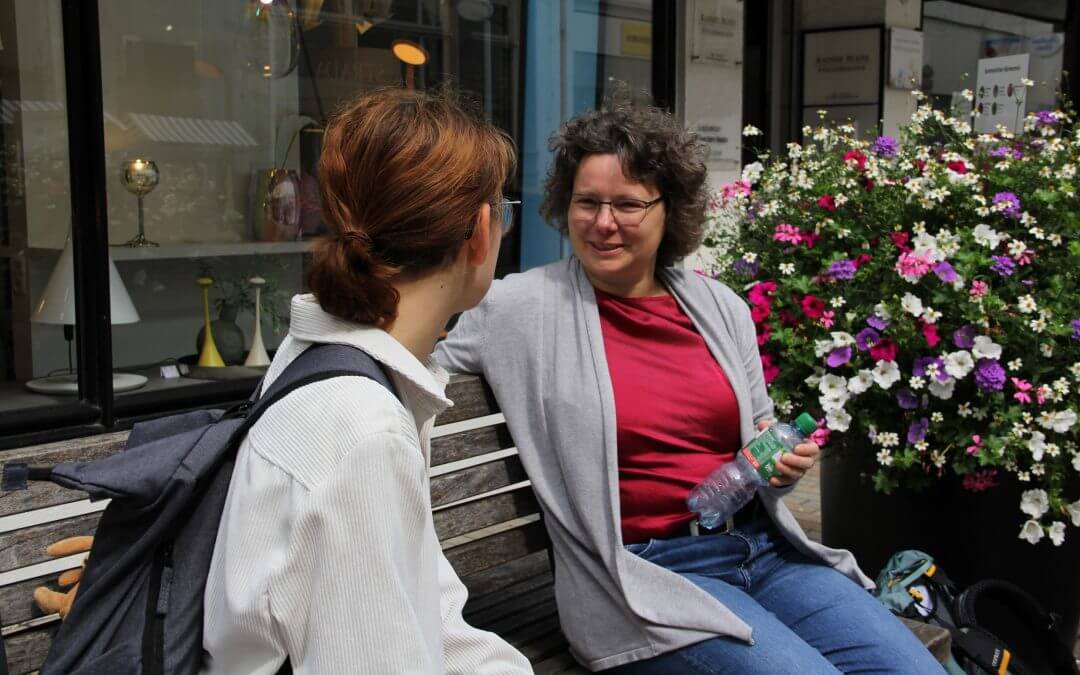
(139, 609)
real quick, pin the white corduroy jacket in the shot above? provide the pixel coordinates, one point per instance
(327, 552)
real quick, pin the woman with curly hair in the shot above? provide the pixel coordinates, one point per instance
(624, 381)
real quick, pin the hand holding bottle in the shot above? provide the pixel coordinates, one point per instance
(793, 465)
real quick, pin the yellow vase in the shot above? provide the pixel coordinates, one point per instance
(209, 356)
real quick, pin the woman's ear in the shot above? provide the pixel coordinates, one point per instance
(478, 246)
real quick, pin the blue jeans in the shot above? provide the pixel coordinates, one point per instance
(805, 616)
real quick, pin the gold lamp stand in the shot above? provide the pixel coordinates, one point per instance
(209, 356)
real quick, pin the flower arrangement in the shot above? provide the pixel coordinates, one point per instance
(918, 293)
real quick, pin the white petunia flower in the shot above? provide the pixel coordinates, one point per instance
(1031, 532)
(911, 304)
(1026, 304)
(882, 312)
(1035, 503)
(814, 378)
(958, 364)
(822, 347)
(986, 236)
(787, 269)
(837, 420)
(942, 390)
(886, 374)
(830, 402)
(751, 172)
(985, 348)
(862, 381)
(1074, 512)
(751, 130)
(841, 339)
(1037, 445)
(1063, 420)
(1057, 532)
(832, 385)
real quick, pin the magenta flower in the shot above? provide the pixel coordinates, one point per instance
(912, 266)
(788, 233)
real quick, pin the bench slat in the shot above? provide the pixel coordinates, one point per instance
(497, 549)
(512, 613)
(486, 586)
(475, 480)
(466, 444)
(27, 546)
(39, 494)
(17, 600)
(472, 516)
(472, 398)
(562, 662)
(26, 651)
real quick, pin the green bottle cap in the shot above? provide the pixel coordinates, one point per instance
(806, 424)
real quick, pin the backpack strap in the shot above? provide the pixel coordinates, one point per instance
(316, 363)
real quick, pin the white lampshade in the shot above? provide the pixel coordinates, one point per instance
(57, 303)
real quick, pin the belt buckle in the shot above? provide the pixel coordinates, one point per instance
(697, 529)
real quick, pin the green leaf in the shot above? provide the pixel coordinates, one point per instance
(1048, 196)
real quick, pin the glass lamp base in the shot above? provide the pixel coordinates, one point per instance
(68, 383)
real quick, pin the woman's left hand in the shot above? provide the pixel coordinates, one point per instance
(793, 465)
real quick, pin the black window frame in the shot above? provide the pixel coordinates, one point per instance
(96, 409)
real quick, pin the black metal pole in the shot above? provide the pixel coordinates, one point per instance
(665, 32)
(89, 216)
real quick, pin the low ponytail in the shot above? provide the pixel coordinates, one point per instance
(350, 282)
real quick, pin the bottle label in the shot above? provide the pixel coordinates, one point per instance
(763, 452)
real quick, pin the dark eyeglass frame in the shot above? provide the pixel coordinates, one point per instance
(506, 215)
(646, 205)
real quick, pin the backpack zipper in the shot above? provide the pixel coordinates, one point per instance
(157, 607)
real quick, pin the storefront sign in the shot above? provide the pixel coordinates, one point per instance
(722, 135)
(842, 67)
(636, 39)
(905, 58)
(717, 36)
(999, 92)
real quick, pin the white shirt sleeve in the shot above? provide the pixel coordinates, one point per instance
(365, 571)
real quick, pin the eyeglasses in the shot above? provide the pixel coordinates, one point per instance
(506, 214)
(504, 209)
(626, 212)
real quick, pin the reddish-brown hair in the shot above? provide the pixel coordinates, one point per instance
(402, 176)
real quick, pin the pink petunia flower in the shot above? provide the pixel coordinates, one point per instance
(912, 266)
(788, 233)
(975, 446)
(930, 334)
(978, 288)
(828, 319)
(1022, 388)
(827, 202)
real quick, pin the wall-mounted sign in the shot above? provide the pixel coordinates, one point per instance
(1000, 95)
(842, 67)
(723, 137)
(905, 58)
(717, 32)
(635, 39)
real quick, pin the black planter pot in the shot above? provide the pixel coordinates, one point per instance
(972, 535)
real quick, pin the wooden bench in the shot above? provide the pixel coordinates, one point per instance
(484, 510)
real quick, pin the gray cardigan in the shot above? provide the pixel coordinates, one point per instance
(536, 339)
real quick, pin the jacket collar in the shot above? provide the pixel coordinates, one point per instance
(310, 323)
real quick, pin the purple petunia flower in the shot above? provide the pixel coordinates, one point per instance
(886, 146)
(989, 375)
(842, 269)
(1003, 266)
(838, 357)
(1046, 118)
(964, 336)
(1000, 151)
(868, 337)
(746, 269)
(945, 271)
(1012, 209)
(1076, 329)
(906, 399)
(917, 431)
(877, 322)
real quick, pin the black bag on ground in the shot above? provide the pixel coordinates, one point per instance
(996, 627)
(139, 609)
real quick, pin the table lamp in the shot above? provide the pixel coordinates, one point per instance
(412, 55)
(57, 306)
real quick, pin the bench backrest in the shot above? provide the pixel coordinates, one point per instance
(484, 510)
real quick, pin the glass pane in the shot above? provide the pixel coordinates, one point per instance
(957, 35)
(214, 113)
(36, 280)
(579, 52)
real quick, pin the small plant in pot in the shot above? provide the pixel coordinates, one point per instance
(232, 293)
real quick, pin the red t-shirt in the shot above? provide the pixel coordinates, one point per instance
(677, 417)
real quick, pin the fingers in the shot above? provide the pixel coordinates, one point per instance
(70, 546)
(48, 600)
(807, 450)
(763, 424)
(69, 598)
(70, 577)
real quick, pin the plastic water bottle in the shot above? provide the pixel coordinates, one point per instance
(731, 486)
